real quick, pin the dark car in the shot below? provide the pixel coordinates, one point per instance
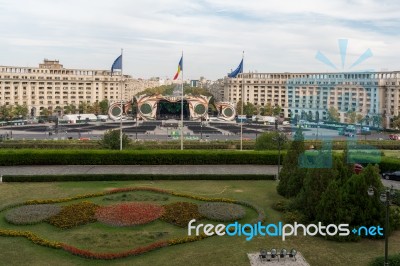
(391, 175)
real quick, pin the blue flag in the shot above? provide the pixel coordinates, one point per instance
(117, 64)
(237, 71)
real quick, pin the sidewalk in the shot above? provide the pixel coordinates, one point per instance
(139, 169)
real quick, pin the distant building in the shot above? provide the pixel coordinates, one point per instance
(312, 94)
(51, 85)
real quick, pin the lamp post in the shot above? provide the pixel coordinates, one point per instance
(280, 139)
(201, 128)
(385, 197)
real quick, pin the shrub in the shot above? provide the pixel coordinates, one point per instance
(74, 215)
(32, 237)
(128, 214)
(111, 140)
(180, 213)
(281, 206)
(294, 216)
(268, 141)
(393, 260)
(31, 214)
(116, 255)
(222, 212)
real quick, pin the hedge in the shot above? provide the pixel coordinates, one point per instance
(125, 177)
(159, 157)
(134, 157)
(392, 259)
(175, 145)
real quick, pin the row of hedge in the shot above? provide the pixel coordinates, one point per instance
(134, 157)
(127, 177)
(162, 157)
(174, 145)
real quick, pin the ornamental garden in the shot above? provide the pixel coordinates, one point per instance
(130, 213)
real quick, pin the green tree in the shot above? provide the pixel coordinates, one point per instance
(396, 122)
(58, 110)
(45, 112)
(267, 110)
(70, 109)
(333, 115)
(103, 107)
(277, 110)
(20, 111)
(268, 141)
(111, 140)
(377, 120)
(351, 117)
(6, 112)
(292, 175)
(83, 107)
(359, 118)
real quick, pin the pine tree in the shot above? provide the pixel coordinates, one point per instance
(291, 175)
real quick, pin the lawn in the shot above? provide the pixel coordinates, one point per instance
(211, 251)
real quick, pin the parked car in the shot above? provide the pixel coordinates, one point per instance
(394, 137)
(391, 175)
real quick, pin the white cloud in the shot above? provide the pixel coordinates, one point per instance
(275, 35)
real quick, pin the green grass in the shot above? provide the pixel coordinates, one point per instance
(211, 251)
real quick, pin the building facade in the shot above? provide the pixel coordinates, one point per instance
(51, 85)
(312, 94)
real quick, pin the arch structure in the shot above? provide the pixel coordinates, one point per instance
(160, 107)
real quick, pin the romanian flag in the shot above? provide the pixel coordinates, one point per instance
(180, 68)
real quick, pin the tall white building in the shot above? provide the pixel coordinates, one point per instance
(368, 94)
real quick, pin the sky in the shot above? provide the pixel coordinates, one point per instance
(276, 36)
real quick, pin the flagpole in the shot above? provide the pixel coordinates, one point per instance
(120, 122)
(182, 106)
(241, 120)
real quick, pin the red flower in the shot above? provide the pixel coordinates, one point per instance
(129, 214)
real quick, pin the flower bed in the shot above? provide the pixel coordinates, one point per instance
(180, 213)
(74, 215)
(221, 211)
(128, 214)
(84, 212)
(31, 214)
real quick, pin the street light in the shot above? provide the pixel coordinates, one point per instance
(385, 197)
(280, 139)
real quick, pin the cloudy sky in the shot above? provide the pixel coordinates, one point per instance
(276, 36)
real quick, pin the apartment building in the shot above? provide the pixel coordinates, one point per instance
(368, 94)
(51, 85)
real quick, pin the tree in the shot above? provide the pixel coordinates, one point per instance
(396, 122)
(103, 107)
(70, 109)
(333, 115)
(267, 110)
(20, 111)
(377, 120)
(94, 108)
(111, 140)
(45, 112)
(83, 107)
(268, 141)
(250, 109)
(58, 110)
(292, 175)
(351, 117)
(359, 118)
(277, 110)
(6, 112)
